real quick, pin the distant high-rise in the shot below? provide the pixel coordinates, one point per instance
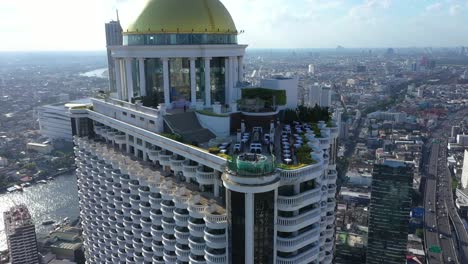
(464, 177)
(325, 101)
(456, 130)
(315, 94)
(21, 236)
(113, 38)
(311, 69)
(389, 212)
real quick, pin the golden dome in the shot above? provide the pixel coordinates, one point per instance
(182, 16)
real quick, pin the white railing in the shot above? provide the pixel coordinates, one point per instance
(204, 177)
(305, 257)
(285, 224)
(290, 203)
(309, 172)
(290, 244)
(212, 258)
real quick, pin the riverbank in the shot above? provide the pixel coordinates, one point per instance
(36, 180)
(55, 201)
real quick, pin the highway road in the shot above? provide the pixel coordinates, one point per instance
(443, 226)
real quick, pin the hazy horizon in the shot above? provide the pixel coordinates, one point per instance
(53, 25)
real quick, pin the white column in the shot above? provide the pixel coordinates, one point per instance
(235, 71)
(227, 79)
(141, 66)
(193, 82)
(249, 228)
(231, 79)
(167, 98)
(216, 187)
(118, 78)
(129, 77)
(240, 63)
(207, 82)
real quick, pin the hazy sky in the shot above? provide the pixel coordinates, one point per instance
(78, 24)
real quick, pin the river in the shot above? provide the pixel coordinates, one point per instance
(55, 200)
(100, 73)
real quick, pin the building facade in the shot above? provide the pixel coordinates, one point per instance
(21, 236)
(147, 197)
(390, 206)
(54, 120)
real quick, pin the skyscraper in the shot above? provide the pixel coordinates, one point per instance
(158, 184)
(389, 212)
(113, 38)
(20, 235)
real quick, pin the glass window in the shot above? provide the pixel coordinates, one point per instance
(218, 83)
(179, 81)
(154, 82)
(179, 39)
(200, 78)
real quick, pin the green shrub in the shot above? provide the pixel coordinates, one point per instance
(214, 150)
(265, 94)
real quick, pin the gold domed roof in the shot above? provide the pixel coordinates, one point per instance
(182, 16)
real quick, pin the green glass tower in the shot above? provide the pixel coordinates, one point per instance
(389, 212)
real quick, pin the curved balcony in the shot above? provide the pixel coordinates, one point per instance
(156, 216)
(158, 248)
(189, 168)
(182, 234)
(133, 185)
(205, 175)
(214, 258)
(291, 224)
(135, 201)
(155, 200)
(146, 238)
(215, 239)
(302, 258)
(291, 244)
(176, 163)
(310, 172)
(137, 244)
(197, 259)
(215, 220)
(196, 209)
(169, 242)
(167, 208)
(144, 193)
(328, 245)
(157, 232)
(292, 203)
(145, 209)
(197, 245)
(165, 158)
(181, 217)
(158, 260)
(330, 220)
(182, 252)
(153, 155)
(170, 257)
(196, 227)
(168, 224)
(120, 138)
(147, 254)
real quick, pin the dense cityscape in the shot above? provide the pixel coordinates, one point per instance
(183, 146)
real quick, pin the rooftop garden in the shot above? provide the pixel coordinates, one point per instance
(261, 99)
(306, 115)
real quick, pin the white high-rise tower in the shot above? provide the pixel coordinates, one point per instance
(227, 183)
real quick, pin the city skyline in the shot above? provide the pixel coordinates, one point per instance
(59, 25)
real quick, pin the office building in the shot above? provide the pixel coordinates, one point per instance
(389, 213)
(21, 236)
(161, 183)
